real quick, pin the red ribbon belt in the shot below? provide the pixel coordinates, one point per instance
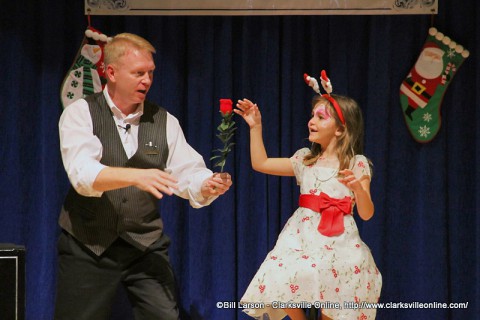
(332, 210)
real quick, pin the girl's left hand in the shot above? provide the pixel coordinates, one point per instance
(350, 181)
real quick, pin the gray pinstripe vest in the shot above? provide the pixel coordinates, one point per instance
(128, 213)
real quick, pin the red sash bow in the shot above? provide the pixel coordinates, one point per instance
(332, 210)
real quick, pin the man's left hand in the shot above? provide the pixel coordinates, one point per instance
(216, 185)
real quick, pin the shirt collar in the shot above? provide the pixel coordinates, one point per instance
(133, 118)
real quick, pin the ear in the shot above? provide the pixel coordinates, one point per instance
(340, 131)
(110, 73)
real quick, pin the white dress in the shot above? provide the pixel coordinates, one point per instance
(307, 268)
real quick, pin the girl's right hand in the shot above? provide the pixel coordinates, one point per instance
(249, 112)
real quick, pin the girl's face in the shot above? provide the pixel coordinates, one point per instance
(322, 126)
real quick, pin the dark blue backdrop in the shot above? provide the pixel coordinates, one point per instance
(425, 235)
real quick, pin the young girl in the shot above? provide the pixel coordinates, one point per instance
(319, 259)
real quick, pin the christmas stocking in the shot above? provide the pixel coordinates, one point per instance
(421, 93)
(87, 74)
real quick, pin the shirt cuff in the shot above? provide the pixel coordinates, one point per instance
(89, 173)
(196, 199)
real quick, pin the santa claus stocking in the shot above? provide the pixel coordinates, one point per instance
(87, 74)
(422, 91)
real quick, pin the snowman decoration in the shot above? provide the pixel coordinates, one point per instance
(87, 74)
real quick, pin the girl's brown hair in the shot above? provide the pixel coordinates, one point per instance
(350, 142)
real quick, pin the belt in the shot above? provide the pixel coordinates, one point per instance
(332, 210)
(418, 88)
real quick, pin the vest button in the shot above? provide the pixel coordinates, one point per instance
(124, 200)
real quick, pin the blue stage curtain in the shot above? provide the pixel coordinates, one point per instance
(425, 235)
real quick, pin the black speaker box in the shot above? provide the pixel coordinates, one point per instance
(12, 282)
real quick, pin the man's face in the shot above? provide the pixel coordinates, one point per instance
(133, 76)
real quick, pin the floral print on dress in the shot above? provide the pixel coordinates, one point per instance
(306, 266)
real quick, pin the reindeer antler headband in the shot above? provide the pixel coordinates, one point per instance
(327, 86)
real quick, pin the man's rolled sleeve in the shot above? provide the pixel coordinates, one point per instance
(187, 165)
(80, 148)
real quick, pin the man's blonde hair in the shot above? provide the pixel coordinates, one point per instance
(121, 43)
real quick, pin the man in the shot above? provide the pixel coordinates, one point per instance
(123, 153)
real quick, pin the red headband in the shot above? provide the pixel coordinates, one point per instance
(327, 86)
(335, 106)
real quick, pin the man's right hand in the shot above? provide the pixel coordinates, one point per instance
(155, 181)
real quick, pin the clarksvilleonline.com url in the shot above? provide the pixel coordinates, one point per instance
(406, 305)
(345, 305)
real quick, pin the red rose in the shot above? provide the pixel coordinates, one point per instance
(226, 130)
(226, 106)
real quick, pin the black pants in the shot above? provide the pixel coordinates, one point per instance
(87, 284)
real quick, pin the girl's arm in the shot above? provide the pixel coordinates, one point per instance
(361, 189)
(260, 160)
